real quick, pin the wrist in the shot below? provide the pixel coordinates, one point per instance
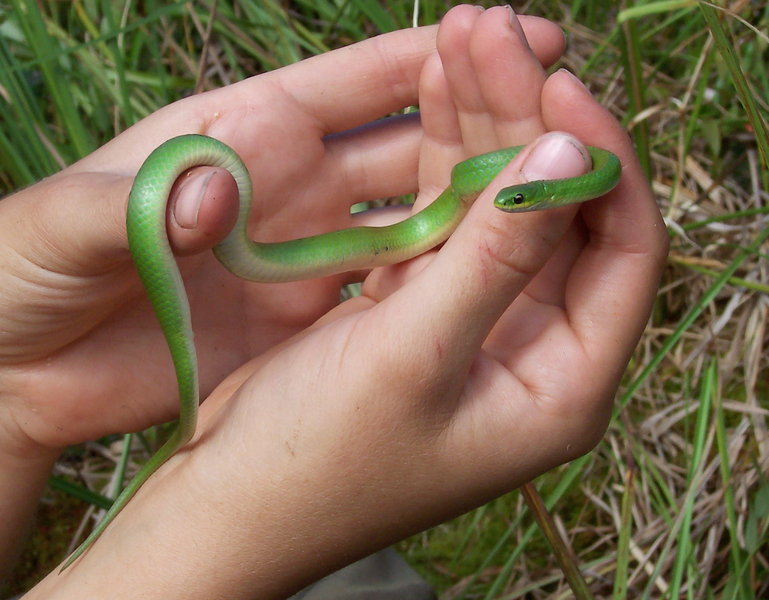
(188, 533)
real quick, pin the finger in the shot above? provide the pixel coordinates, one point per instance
(81, 216)
(442, 145)
(77, 218)
(453, 45)
(494, 78)
(510, 76)
(377, 77)
(615, 279)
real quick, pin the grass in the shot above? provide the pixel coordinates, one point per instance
(674, 503)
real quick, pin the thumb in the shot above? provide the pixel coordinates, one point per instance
(202, 209)
(64, 252)
(454, 302)
(74, 222)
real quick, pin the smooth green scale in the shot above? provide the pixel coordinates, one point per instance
(317, 256)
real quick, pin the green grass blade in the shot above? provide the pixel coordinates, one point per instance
(623, 541)
(80, 492)
(653, 8)
(636, 92)
(382, 20)
(737, 564)
(725, 46)
(26, 152)
(683, 557)
(56, 78)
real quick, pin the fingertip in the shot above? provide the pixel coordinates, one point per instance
(629, 214)
(203, 208)
(499, 24)
(576, 82)
(455, 26)
(546, 39)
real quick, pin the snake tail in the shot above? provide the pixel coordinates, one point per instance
(165, 452)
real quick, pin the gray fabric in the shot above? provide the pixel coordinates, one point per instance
(381, 576)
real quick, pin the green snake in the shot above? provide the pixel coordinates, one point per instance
(306, 258)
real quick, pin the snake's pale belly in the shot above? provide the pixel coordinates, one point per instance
(318, 256)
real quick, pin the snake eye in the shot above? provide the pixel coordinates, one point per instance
(518, 198)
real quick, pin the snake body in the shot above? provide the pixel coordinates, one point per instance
(317, 256)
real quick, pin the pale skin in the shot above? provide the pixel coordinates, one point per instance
(453, 378)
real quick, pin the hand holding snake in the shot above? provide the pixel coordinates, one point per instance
(606, 278)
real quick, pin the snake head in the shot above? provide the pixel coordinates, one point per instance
(524, 197)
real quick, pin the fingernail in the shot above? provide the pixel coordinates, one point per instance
(515, 24)
(556, 155)
(190, 197)
(575, 79)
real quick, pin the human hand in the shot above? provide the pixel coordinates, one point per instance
(451, 380)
